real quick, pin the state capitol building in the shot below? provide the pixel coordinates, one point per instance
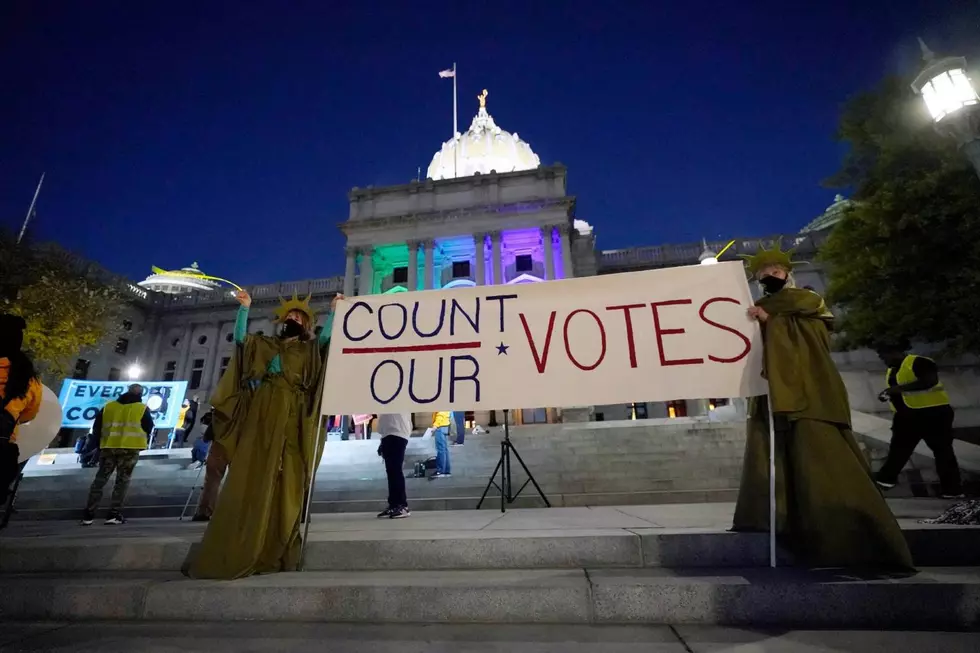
(487, 213)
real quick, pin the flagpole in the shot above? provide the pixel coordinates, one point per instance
(455, 127)
(30, 211)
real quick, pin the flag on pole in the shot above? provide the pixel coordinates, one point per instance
(448, 72)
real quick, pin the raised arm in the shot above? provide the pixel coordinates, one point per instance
(241, 321)
(324, 340)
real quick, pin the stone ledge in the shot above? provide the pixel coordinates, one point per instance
(480, 541)
(933, 599)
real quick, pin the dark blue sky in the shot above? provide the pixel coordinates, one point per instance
(229, 132)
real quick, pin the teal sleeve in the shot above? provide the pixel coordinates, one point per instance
(241, 325)
(325, 332)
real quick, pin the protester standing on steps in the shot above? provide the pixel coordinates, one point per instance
(829, 510)
(395, 429)
(266, 409)
(121, 428)
(440, 427)
(215, 461)
(459, 422)
(20, 397)
(921, 412)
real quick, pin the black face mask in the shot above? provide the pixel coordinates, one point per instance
(772, 284)
(291, 329)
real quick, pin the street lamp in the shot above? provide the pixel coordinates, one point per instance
(952, 101)
(133, 372)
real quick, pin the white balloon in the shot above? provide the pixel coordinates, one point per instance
(34, 436)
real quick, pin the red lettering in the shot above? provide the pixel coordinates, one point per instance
(670, 332)
(541, 362)
(626, 308)
(747, 344)
(602, 336)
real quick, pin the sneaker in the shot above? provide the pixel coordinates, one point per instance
(115, 519)
(400, 513)
(88, 519)
(885, 486)
(386, 512)
(440, 475)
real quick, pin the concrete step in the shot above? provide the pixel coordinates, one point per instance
(479, 541)
(935, 598)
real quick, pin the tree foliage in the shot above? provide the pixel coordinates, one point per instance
(68, 308)
(904, 261)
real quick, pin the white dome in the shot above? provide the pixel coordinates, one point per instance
(485, 147)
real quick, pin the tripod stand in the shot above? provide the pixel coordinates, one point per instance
(503, 466)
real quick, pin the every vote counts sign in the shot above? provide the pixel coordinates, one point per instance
(81, 401)
(658, 335)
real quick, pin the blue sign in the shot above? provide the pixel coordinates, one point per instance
(81, 401)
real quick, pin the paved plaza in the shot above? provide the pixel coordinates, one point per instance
(341, 638)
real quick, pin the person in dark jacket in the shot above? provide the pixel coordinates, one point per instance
(190, 420)
(199, 452)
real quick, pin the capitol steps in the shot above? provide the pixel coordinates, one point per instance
(641, 564)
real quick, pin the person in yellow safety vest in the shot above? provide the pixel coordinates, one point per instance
(921, 412)
(122, 429)
(440, 426)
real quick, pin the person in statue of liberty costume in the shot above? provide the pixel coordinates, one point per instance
(266, 410)
(829, 512)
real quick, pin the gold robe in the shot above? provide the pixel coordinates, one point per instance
(269, 431)
(829, 511)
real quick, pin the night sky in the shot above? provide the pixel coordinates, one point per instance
(229, 132)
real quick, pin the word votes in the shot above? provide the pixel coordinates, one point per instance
(541, 356)
(472, 318)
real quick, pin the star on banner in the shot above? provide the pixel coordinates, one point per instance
(502, 349)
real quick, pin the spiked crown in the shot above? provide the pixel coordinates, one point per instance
(764, 257)
(295, 304)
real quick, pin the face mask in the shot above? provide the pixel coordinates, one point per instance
(292, 329)
(772, 284)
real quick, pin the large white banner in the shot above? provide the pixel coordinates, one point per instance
(658, 335)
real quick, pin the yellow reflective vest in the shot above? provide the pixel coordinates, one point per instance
(934, 396)
(122, 426)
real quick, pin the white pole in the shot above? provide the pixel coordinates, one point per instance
(455, 127)
(30, 211)
(772, 484)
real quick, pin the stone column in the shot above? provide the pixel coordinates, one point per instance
(212, 369)
(429, 261)
(349, 271)
(547, 233)
(498, 272)
(183, 369)
(480, 258)
(413, 265)
(697, 407)
(151, 361)
(564, 235)
(366, 284)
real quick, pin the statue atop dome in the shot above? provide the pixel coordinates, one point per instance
(482, 149)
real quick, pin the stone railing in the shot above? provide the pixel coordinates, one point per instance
(657, 256)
